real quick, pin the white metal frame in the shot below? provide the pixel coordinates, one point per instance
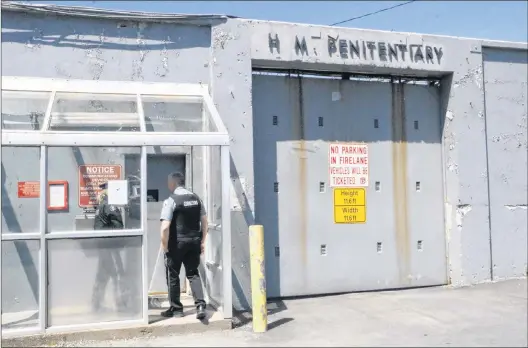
(46, 138)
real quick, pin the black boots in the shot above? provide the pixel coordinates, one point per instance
(200, 312)
(172, 313)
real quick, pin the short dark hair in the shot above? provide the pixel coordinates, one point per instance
(178, 178)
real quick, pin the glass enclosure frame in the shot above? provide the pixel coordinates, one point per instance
(45, 138)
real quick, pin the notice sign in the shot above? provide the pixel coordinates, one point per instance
(91, 177)
(350, 206)
(348, 165)
(28, 189)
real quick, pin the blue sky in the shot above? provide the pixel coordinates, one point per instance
(496, 20)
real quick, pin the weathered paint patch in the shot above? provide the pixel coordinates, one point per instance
(448, 221)
(516, 206)
(461, 211)
(236, 192)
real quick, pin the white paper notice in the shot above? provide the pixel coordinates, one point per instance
(57, 196)
(348, 165)
(117, 192)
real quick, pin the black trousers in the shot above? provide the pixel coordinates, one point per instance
(187, 253)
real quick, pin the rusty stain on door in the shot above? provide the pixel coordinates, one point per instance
(301, 154)
(399, 176)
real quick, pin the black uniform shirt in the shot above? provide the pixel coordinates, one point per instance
(107, 217)
(184, 209)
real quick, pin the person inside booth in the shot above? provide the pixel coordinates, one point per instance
(107, 216)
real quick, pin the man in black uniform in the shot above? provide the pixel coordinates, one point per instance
(107, 217)
(183, 233)
(110, 264)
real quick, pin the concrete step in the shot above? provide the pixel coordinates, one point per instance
(158, 326)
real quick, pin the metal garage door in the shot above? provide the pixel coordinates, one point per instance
(402, 243)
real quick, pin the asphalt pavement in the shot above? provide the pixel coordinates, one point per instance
(493, 314)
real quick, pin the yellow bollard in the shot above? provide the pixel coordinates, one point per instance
(258, 278)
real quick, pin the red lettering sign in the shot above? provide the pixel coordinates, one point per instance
(28, 189)
(348, 165)
(91, 176)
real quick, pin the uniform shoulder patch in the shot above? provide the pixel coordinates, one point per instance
(113, 208)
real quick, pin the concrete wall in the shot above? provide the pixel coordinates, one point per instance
(464, 136)
(78, 48)
(505, 83)
(223, 54)
(231, 91)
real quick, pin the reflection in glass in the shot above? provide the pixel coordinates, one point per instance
(91, 206)
(20, 189)
(174, 114)
(20, 279)
(94, 112)
(109, 288)
(24, 110)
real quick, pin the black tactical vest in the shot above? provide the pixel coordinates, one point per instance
(185, 225)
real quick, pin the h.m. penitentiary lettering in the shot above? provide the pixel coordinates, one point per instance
(363, 50)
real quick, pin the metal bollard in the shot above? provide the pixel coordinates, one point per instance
(258, 278)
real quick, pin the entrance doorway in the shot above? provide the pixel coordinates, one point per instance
(159, 166)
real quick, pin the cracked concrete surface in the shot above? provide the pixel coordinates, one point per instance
(493, 314)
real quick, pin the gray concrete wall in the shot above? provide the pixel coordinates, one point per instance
(78, 48)
(223, 55)
(464, 136)
(505, 83)
(231, 91)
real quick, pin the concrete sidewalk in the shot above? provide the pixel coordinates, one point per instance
(485, 315)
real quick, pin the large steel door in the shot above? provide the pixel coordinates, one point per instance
(402, 243)
(425, 190)
(345, 257)
(277, 201)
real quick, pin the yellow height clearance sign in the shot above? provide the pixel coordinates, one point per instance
(350, 206)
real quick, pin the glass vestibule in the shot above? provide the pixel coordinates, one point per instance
(60, 140)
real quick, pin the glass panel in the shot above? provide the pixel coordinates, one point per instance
(20, 284)
(85, 169)
(213, 249)
(24, 110)
(209, 123)
(94, 280)
(214, 179)
(175, 114)
(20, 189)
(94, 112)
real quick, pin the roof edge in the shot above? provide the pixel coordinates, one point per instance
(487, 43)
(99, 13)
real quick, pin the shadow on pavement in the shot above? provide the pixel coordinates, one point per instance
(242, 318)
(279, 322)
